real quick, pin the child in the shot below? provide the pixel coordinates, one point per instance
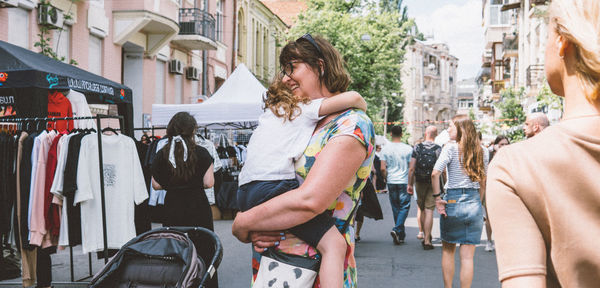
(283, 133)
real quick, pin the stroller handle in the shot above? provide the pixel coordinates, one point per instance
(216, 260)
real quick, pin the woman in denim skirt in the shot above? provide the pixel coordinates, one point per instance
(461, 220)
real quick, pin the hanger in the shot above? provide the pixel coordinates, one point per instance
(110, 129)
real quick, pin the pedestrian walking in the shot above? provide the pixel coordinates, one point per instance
(498, 143)
(535, 123)
(394, 167)
(543, 194)
(461, 212)
(423, 158)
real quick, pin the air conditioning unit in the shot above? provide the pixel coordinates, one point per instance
(50, 15)
(9, 3)
(191, 73)
(176, 67)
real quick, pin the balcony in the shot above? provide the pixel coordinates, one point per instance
(497, 86)
(196, 30)
(535, 74)
(511, 45)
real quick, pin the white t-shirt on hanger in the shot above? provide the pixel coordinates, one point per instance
(124, 187)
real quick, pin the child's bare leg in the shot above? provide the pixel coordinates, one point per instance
(333, 251)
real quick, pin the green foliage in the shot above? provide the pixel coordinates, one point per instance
(45, 41)
(511, 108)
(374, 65)
(546, 98)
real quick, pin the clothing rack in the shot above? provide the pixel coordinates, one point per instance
(98, 119)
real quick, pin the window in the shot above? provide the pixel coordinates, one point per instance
(219, 32)
(498, 17)
(178, 88)
(97, 2)
(62, 43)
(95, 55)
(18, 34)
(159, 93)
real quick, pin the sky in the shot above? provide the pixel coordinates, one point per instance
(456, 23)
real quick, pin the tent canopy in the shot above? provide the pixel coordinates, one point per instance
(21, 68)
(237, 104)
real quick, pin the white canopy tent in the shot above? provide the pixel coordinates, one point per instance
(237, 104)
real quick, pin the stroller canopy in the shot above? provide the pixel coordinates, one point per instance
(21, 68)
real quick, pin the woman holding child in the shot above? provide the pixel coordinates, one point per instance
(334, 167)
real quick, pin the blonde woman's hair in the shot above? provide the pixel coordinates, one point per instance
(471, 151)
(579, 22)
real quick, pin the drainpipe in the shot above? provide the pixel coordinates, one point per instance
(234, 40)
(204, 59)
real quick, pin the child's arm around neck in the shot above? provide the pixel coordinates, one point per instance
(342, 101)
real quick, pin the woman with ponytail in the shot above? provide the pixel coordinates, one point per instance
(184, 170)
(544, 193)
(461, 213)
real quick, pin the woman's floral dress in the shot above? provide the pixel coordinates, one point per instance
(356, 124)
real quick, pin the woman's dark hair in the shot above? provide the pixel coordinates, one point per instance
(332, 74)
(500, 138)
(182, 124)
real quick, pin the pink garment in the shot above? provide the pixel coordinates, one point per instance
(39, 236)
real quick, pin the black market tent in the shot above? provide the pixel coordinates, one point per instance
(27, 76)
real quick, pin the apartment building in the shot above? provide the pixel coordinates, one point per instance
(429, 83)
(259, 35)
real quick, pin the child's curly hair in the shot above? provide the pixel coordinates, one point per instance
(282, 102)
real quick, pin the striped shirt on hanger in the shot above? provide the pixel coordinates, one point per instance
(456, 176)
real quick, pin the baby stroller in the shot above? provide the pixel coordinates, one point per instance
(163, 257)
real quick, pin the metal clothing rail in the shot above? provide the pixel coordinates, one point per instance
(100, 170)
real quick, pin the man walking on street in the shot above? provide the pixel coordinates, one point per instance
(535, 123)
(395, 158)
(423, 159)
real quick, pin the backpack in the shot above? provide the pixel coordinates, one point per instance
(426, 158)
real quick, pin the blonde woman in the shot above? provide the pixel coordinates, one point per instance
(544, 193)
(461, 220)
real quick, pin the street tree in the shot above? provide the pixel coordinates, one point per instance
(511, 108)
(371, 40)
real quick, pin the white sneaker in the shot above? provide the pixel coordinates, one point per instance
(489, 247)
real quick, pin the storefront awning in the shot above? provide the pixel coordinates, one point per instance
(22, 68)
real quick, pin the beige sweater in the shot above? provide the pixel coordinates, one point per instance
(543, 198)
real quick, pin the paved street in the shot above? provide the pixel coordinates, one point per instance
(380, 263)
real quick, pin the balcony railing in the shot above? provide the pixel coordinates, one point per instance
(497, 86)
(534, 74)
(193, 21)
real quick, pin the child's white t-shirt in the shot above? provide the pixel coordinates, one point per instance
(277, 142)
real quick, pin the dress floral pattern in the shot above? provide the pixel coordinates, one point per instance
(354, 123)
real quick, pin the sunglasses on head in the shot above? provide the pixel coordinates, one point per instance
(312, 41)
(288, 68)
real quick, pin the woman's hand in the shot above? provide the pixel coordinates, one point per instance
(264, 240)
(440, 205)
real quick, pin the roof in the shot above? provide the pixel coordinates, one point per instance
(287, 10)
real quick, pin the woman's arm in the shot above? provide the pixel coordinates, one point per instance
(342, 101)
(440, 204)
(530, 281)
(332, 172)
(155, 185)
(209, 177)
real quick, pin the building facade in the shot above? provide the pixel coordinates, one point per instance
(467, 95)
(429, 84)
(167, 51)
(515, 48)
(259, 34)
